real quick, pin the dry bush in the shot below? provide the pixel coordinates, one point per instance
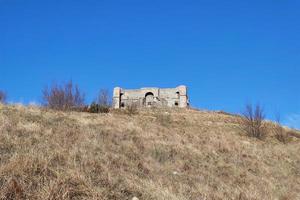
(2, 96)
(280, 133)
(131, 108)
(63, 97)
(104, 98)
(294, 133)
(252, 122)
(102, 104)
(164, 119)
(97, 108)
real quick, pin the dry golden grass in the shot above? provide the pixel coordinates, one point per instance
(154, 154)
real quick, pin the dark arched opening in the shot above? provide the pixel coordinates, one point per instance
(149, 98)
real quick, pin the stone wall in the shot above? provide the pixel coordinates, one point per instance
(151, 97)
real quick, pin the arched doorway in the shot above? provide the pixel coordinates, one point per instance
(149, 98)
(122, 104)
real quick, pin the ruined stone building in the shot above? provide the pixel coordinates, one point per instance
(151, 97)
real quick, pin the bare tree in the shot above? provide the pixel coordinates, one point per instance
(104, 98)
(63, 97)
(102, 103)
(280, 133)
(2, 96)
(253, 121)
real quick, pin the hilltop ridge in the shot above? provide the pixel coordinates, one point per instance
(174, 154)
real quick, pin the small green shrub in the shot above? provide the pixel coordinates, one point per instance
(97, 108)
(93, 108)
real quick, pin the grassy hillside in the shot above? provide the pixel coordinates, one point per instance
(155, 154)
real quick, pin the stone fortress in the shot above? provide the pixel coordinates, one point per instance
(151, 97)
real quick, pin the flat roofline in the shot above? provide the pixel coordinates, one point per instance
(151, 88)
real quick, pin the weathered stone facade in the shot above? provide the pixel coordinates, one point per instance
(151, 97)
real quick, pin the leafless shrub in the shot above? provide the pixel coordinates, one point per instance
(2, 96)
(132, 108)
(63, 97)
(102, 103)
(253, 121)
(280, 133)
(104, 98)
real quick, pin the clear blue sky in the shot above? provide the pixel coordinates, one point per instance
(227, 52)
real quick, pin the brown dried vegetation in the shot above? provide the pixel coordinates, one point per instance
(253, 119)
(47, 154)
(2, 96)
(63, 97)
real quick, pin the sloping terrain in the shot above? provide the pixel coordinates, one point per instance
(155, 154)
